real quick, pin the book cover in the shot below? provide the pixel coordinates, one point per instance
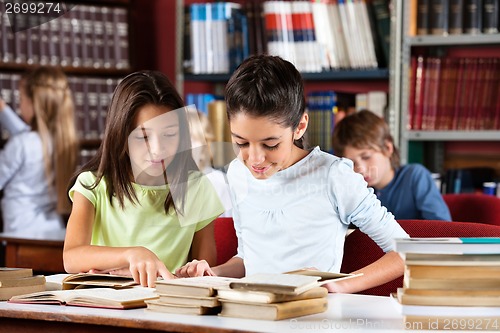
(22, 281)
(452, 272)
(289, 283)
(491, 13)
(82, 280)
(451, 245)
(13, 272)
(450, 311)
(127, 298)
(274, 311)
(455, 17)
(155, 305)
(447, 300)
(438, 17)
(8, 292)
(430, 259)
(202, 286)
(208, 302)
(268, 297)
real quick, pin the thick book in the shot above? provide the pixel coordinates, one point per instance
(448, 272)
(268, 297)
(13, 272)
(430, 259)
(273, 311)
(21, 285)
(447, 300)
(465, 283)
(439, 310)
(290, 283)
(158, 306)
(201, 286)
(208, 302)
(127, 298)
(449, 245)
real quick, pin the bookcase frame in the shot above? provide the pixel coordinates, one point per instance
(401, 47)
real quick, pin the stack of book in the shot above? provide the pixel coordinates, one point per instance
(17, 281)
(278, 296)
(450, 283)
(196, 295)
(259, 296)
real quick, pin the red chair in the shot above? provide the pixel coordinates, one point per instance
(225, 239)
(360, 250)
(468, 207)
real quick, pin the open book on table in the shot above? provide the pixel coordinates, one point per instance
(86, 280)
(125, 298)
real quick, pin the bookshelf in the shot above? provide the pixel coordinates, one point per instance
(433, 141)
(347, 80)
(90, 41)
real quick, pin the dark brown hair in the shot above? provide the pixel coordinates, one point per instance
(267, 86)
(364, 130)
(112, 160)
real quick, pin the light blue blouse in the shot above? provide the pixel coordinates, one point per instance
(28, 203)
(299, 217)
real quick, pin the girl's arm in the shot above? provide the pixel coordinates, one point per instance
(80, 256)
(203, 246)
(389, 267)
(10, 120)
(234, 267)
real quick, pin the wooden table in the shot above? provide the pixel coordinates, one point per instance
(41, 252)
(355, 313)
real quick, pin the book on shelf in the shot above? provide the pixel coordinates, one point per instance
(289, 283)
(273, 311)
(158, 306)
(268, 297)
(449, 245)
(125, 298)
(18, 281)
(201, 286)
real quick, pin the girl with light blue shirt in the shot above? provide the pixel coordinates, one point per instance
(292, 206)
(40, 155)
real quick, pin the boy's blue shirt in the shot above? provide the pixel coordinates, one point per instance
(412, 194)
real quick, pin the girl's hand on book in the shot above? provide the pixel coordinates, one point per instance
(195, 268)
(145, 267)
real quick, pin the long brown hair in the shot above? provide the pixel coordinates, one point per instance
(54, 120)
(112, 161)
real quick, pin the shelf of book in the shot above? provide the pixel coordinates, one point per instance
(444, 85)
(89, 41)
(257, 14)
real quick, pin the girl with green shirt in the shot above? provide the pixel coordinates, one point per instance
(140, 205)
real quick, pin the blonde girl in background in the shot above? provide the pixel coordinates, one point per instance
(41, 155)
